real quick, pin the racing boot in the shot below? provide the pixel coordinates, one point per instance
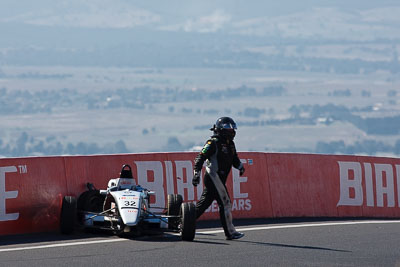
(235, 235)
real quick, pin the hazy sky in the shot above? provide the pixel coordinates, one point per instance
(36, 23)
(126, 13)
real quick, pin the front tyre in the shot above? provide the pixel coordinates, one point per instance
(91, 201)
(188, 221)
(68, 215)
(173, 208)
(174, 204)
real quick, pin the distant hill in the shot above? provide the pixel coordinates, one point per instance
(223, 34)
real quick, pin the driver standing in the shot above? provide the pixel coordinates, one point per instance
(220, 155)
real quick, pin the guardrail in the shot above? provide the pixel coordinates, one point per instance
(274, 185)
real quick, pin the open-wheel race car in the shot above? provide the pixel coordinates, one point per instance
(125, 208)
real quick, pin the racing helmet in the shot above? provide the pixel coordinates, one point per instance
(126, 171)
(225, 127)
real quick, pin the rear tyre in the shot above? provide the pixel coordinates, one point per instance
(188, 221)
(68, 215)
(173, 208)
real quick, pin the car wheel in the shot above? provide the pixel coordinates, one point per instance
(188, 221)
(174, 202)
(68, 215)
(91, 200)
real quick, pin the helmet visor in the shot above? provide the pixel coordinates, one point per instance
(229, 125)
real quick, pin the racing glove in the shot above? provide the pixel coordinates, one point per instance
(241, 170)
(196, 177)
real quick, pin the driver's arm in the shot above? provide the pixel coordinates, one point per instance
(208, 150)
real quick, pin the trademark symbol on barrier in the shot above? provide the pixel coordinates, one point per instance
(23, 169)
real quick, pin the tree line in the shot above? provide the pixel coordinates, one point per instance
(25, 145)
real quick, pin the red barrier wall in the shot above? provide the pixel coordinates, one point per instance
(31, 191)
(274, 185)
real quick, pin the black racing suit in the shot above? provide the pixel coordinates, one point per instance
(220, 155)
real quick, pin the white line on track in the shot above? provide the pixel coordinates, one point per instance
(65, 244)
(301, 225)
(244, 229)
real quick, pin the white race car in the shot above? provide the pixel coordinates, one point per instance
(125, 208)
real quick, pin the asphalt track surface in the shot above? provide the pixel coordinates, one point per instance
(266, 243)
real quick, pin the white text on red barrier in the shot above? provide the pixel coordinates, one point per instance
(4, 195)
(354, 179)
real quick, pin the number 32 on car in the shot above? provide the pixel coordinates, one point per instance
(130, 203)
